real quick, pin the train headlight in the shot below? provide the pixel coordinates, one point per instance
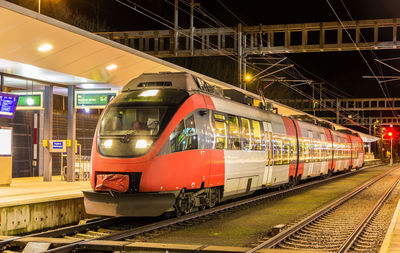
(107, 143)
(141, 144)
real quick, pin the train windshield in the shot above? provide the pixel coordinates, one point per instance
(133, 121)
(124, 120)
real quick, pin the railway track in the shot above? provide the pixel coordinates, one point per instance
(109, 229)
(348, 224)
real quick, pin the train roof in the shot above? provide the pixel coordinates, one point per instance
(191, 82)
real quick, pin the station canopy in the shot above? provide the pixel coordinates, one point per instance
(37, 47)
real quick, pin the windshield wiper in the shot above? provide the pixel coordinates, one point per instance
(127, 136)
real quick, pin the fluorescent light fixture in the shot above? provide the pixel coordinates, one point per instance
(149, 93)
(107, 144)
(111, 67)
(29, 101)
(88, 86)
(141, 144)
(45, 47)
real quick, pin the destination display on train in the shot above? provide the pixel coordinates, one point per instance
(8, 103)
(93, 99)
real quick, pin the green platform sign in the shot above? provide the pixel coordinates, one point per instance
(93, 99)
(29, 100)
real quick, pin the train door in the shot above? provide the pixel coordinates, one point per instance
(324, 154)
(311, 153)
(267, 179)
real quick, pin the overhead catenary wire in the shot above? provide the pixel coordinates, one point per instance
(377, 65)
(284, 69)
(218, 22)
(241, 21)
(169, 24)
(363, 58)
(165, 23)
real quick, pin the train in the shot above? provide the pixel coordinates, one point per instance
(172, 143)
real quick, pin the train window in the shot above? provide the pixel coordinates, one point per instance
(306, 150)
(318, 150)
(329, 151)
(191, 142)
(218, 116)
(336, 151)
(234, 134)
(257, 135)
(175, 137)
(184, 136)
(220, 135)
(311, 155)
(323, 151)
(246, 134)
(301, 147)
(277, 146)
(293, 149)
(269, 147)
(286, 151)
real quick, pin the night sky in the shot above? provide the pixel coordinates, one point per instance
(341, 69)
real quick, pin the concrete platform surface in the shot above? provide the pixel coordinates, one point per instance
(391, 243)
(31, 205)
(31, 190)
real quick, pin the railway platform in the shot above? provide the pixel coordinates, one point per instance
(391, 243)
(29, 204)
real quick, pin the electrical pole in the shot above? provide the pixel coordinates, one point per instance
(191, 27)
(1, 82)
(176, 28)
(391, 151)
(313, 98)
(320, 95)
(240, 54)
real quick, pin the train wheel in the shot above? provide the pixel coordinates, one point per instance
(184, 203)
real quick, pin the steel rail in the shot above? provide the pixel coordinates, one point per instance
(272, 242)
(366, 220)
(65, 230)
(170, 222)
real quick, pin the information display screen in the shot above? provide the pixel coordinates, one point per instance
(6, 141)
(8, 103)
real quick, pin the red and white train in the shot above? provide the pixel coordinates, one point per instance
(170, 142)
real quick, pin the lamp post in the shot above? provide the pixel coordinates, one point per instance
(247, 79)
(391, 148)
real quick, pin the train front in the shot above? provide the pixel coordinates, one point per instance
(128, 137)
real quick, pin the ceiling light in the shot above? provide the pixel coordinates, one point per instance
(45, 47)
(111, 67)
(88, 86)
